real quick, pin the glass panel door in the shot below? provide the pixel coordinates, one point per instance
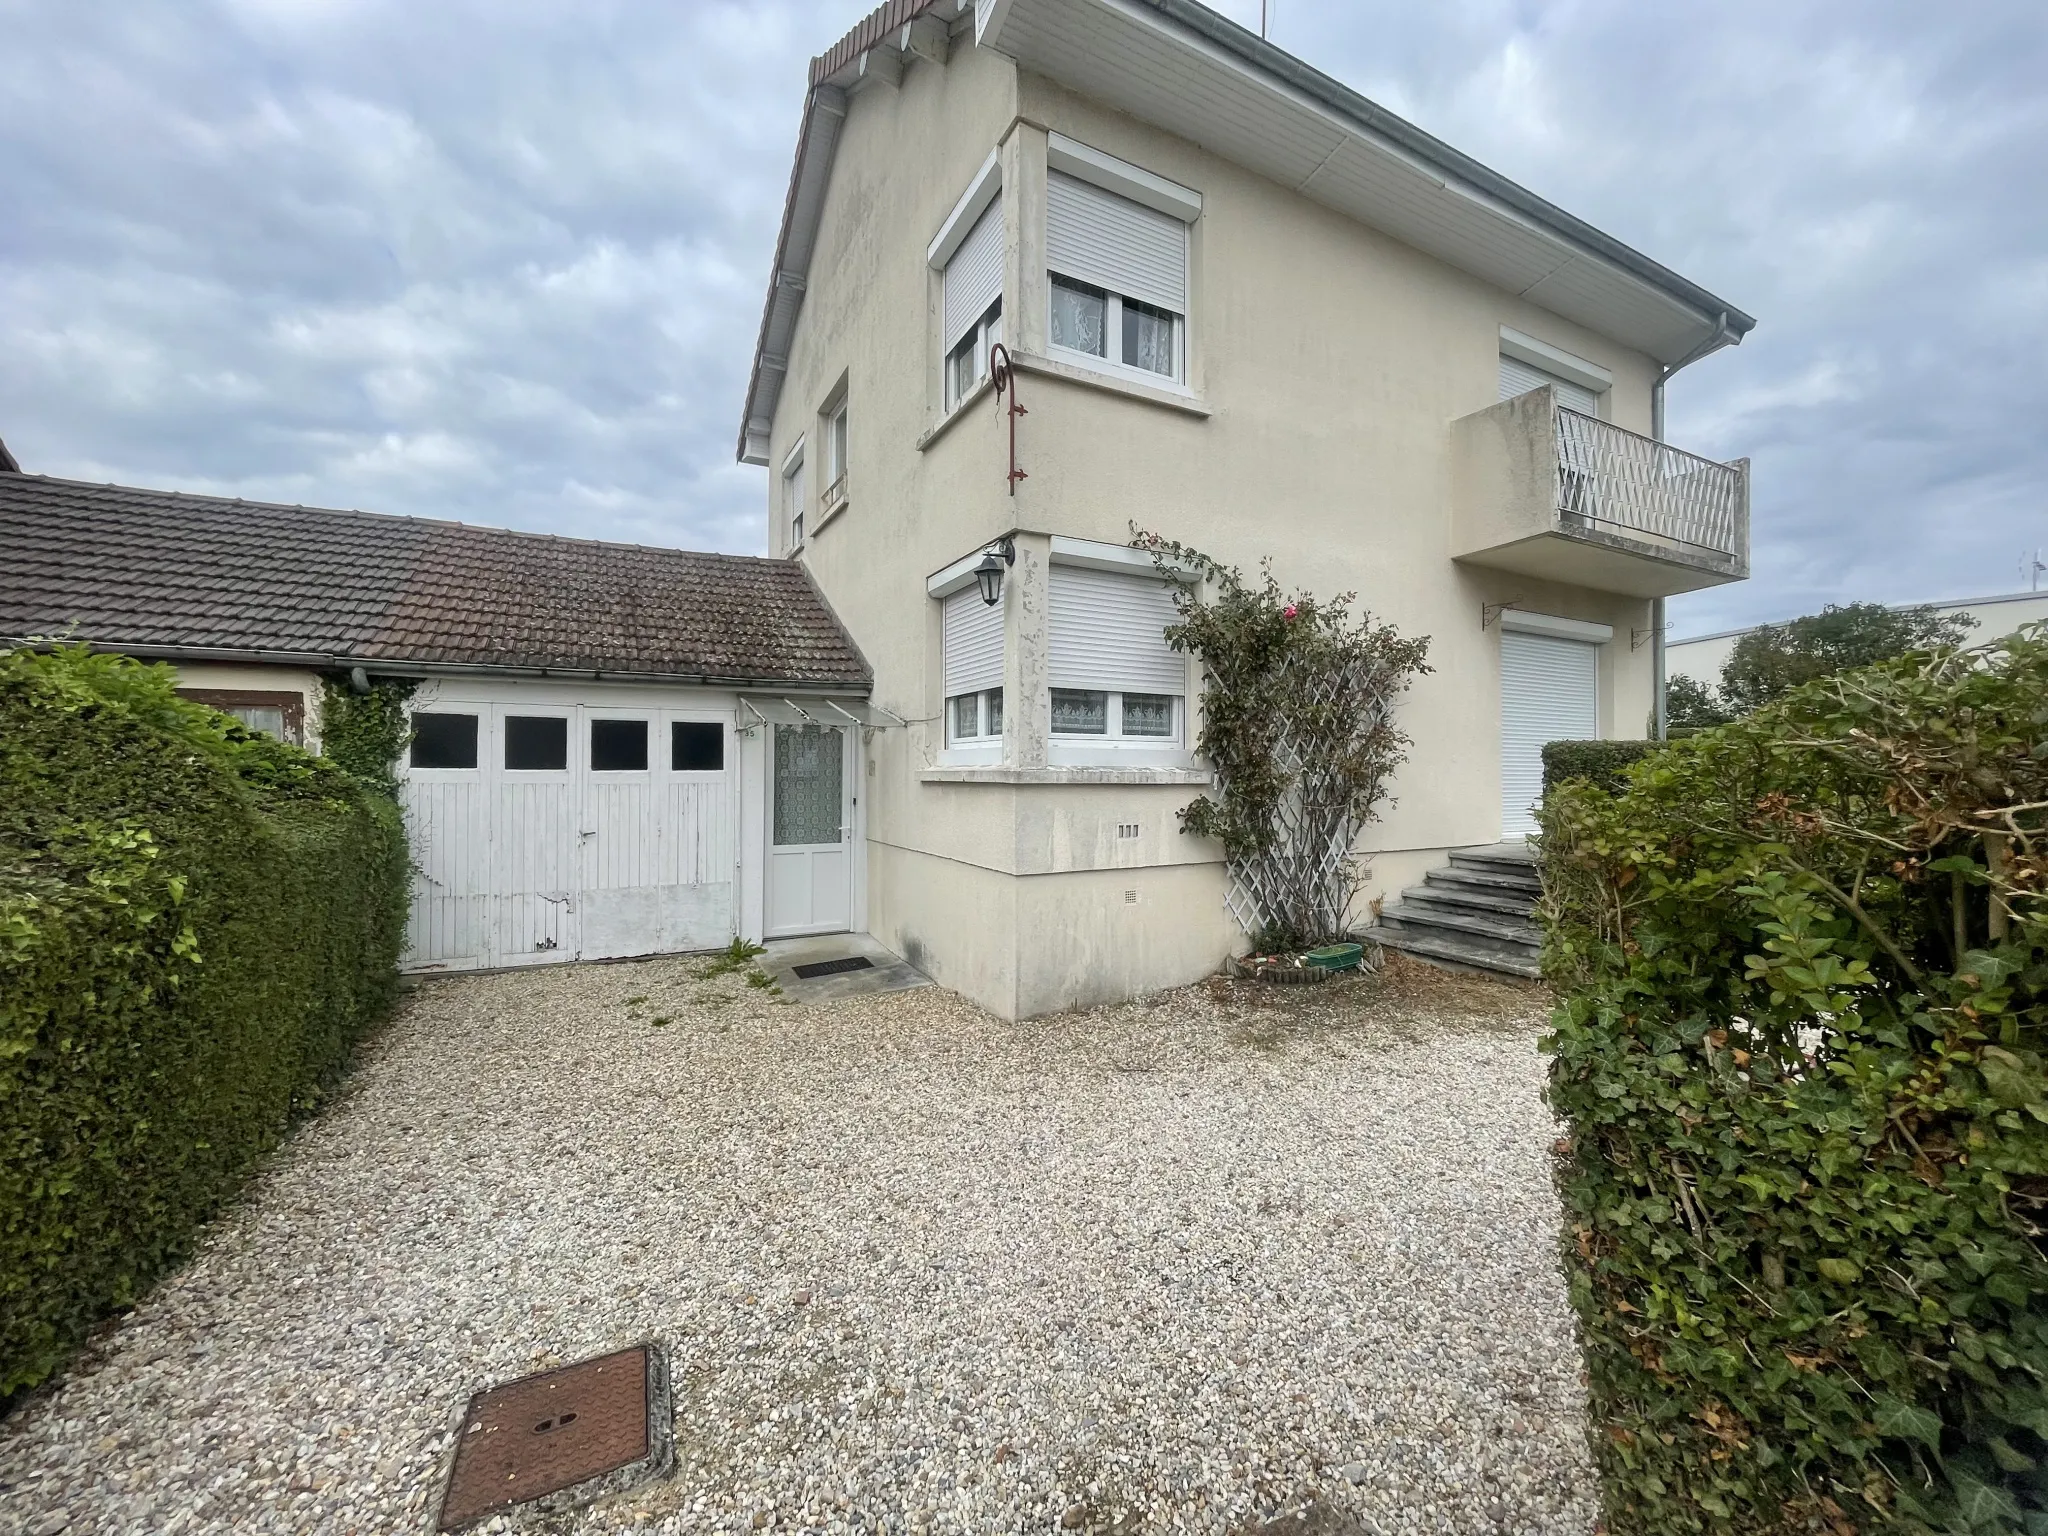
(810, 784)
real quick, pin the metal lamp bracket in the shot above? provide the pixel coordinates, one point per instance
(1489, 612)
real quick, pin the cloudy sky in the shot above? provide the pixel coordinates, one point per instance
(503, 261)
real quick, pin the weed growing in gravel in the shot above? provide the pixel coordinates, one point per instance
(634, 1002)
(762, 980)
(736, 956)
(660, 1022)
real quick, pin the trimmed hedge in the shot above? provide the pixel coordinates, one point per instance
(1804, 969)
(196, 923)
(1605, 763)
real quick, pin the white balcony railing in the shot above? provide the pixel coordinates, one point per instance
(1609, 476)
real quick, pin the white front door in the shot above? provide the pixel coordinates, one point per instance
(810, 852)
(1549, 691)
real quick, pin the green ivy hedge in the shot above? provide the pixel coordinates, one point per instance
(1605, 763)
(196, 923)
(1804, 972)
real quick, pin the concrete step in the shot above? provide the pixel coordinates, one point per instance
(1460, 952)
(1518, 873)
(1478, 878)
(1504, 933)
(1479, 898)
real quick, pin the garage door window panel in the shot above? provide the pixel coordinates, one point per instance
(696, 746)
(536, 743)
(443, 740)
(618, 746)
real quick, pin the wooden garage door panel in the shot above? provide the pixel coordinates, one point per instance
(542, 865)
(1549, 691)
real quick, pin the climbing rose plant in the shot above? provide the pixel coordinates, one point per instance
(1298, 726)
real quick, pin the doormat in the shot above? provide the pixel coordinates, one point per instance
(832, 967)
(562, 1438)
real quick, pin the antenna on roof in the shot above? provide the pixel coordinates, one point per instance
(2030, 565)
(1263, 6)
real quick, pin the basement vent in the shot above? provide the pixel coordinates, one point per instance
(832, 967)
(1130, 898)
(1126, 829)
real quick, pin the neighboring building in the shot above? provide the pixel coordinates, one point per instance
(1252, 311)
(588, 775)
(1702, 657)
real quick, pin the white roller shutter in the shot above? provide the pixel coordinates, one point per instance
(1549, 691)
(1108, 632)
(1097, 237)
(974, 277)
(1518, 378)
(974, 643)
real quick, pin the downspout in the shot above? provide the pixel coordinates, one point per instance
(1722, 337)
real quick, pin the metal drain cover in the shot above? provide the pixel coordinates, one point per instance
(832, 967)
(586, 1430)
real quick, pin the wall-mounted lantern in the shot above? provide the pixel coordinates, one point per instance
(988, 575)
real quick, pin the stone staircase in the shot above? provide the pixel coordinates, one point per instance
(1476, 913)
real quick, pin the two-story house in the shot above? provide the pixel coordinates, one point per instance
(1248, 309)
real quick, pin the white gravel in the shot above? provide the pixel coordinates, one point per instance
(1230, 1257)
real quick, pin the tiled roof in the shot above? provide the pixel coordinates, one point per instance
(163, 573)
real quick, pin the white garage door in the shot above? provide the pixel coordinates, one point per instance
(1549, 691)
(556, 832)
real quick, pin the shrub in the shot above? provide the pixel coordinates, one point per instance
(1804, 964)
(1298, 702)
(1600, 762)
(196, 923)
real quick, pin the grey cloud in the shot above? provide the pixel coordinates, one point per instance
(504, 261)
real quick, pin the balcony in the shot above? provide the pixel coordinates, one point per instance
(1548, 492)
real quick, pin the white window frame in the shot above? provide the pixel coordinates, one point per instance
(987, 332)
(986, 744)
(836, 431)
(1114, 737)
(1113, 338)
(794, 487)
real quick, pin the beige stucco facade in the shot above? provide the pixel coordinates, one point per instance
(1326, 366)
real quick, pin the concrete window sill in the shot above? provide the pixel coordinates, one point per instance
(997, 774)
(961, 407)
(1109, 383)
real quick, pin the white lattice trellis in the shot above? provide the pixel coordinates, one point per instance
(1305, 879)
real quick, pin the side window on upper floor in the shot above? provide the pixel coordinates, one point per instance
(974, 304)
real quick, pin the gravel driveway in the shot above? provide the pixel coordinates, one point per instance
(1226, 1259)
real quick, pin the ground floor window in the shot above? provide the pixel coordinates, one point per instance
(975, 718)
(1102, 715)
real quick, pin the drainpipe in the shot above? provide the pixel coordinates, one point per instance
(1722, 337)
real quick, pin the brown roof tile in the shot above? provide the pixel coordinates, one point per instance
(166, 573)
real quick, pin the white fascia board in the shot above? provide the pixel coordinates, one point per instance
(986, 187)
(952, 578)
(1556, 627)
(1541, 354)
(1097, 556)
(1123, 178)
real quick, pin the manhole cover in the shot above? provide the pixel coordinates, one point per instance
(832, 967)
(595, 1427)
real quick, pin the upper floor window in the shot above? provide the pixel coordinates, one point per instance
(793, 491)
(1118, 275)
(974, 304)
(1518, 378)
(835, 456)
